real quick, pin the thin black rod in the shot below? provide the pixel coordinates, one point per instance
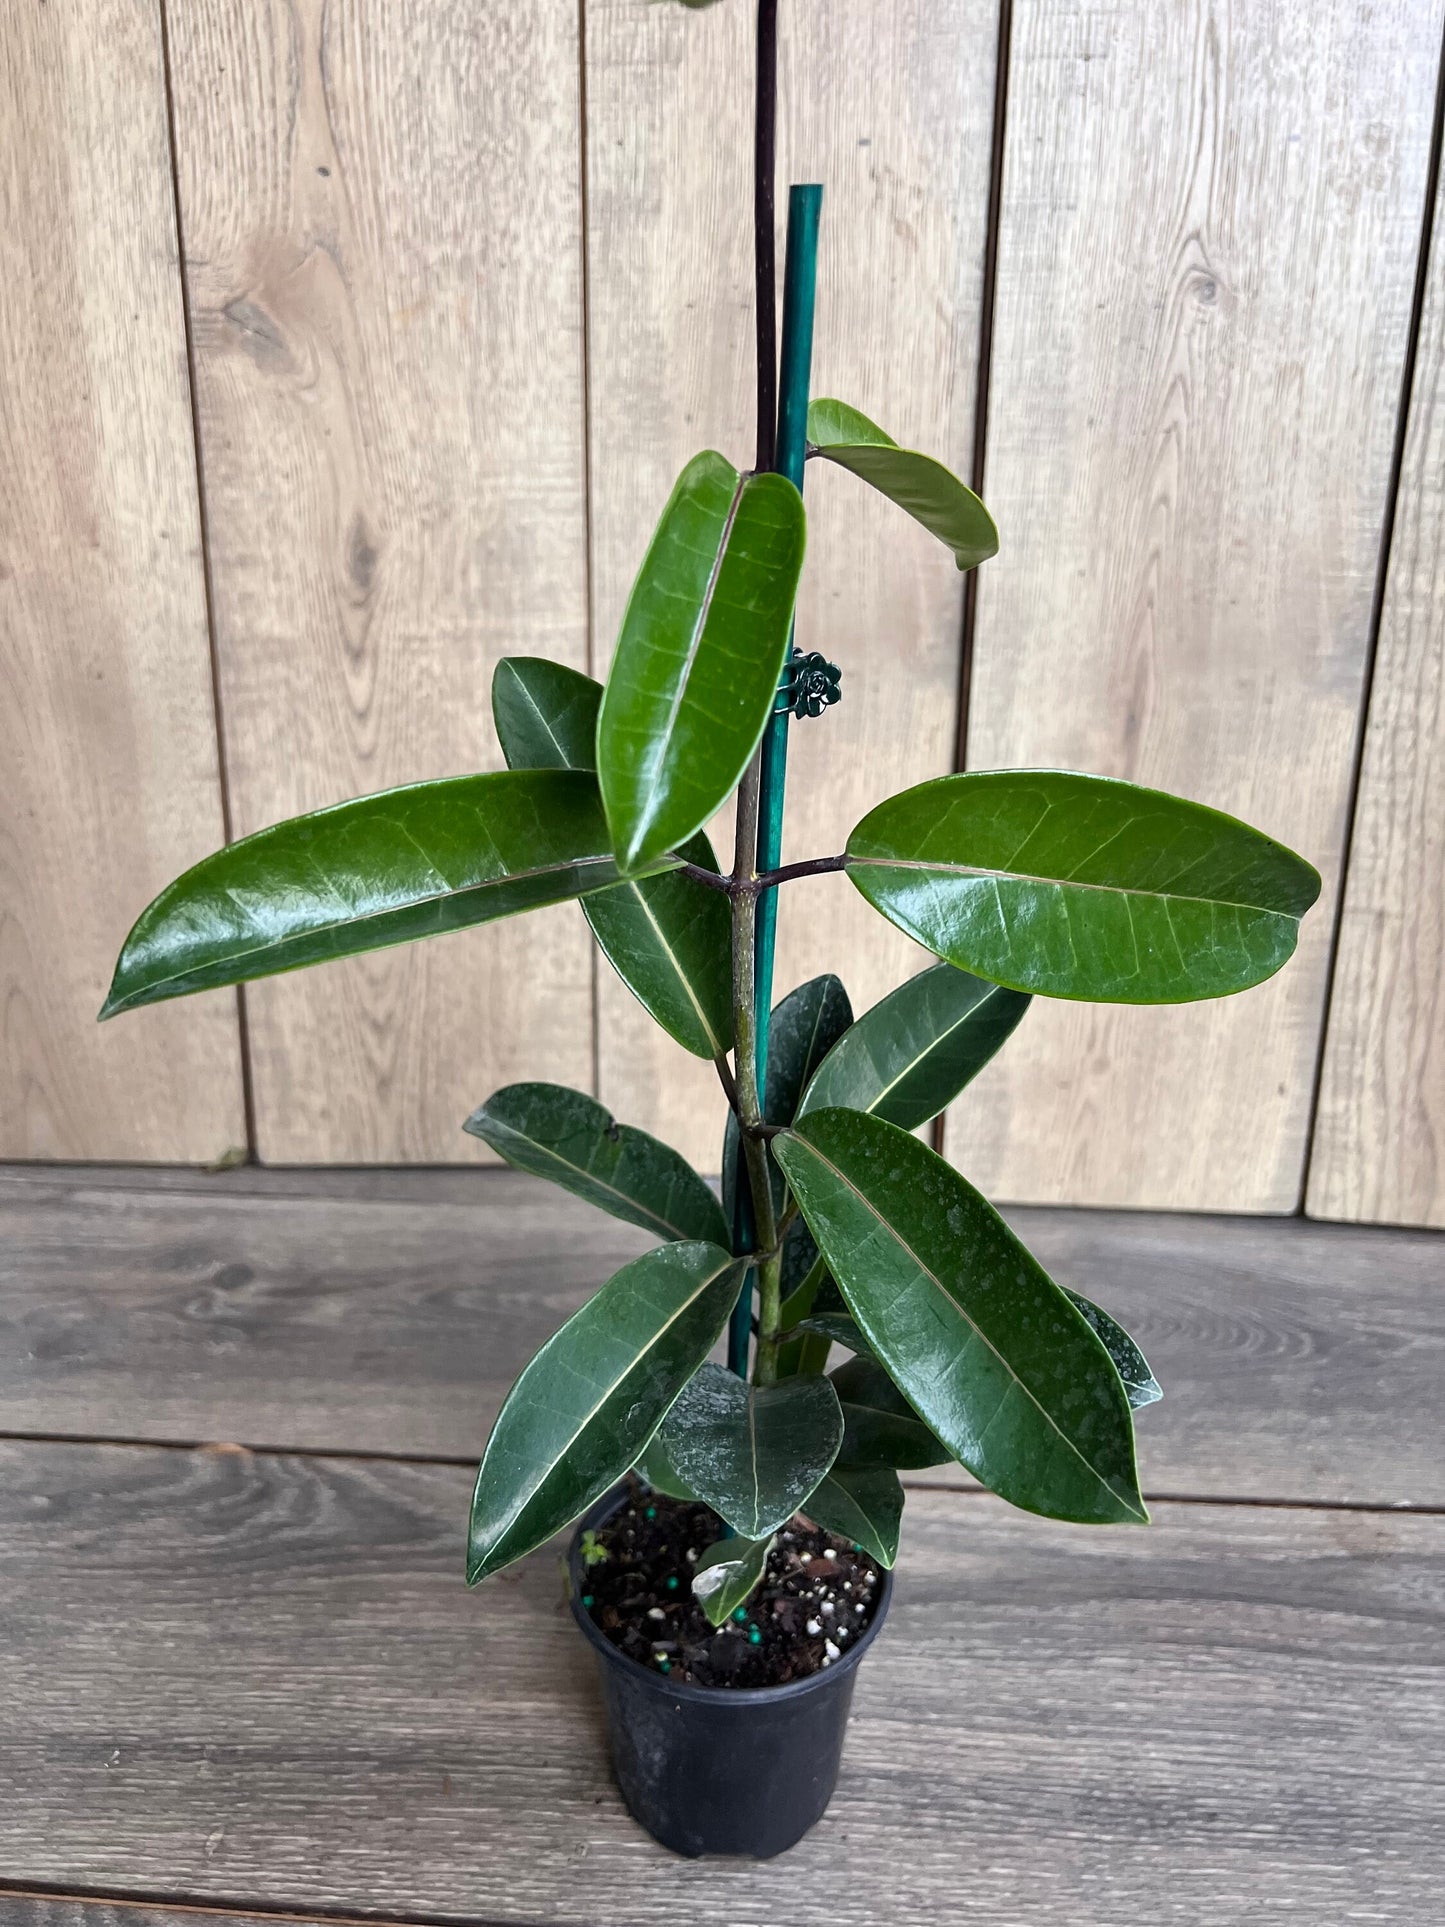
(765, 275)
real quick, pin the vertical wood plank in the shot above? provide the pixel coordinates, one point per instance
(1379, 1145)
(1207, 257)
(382, 220)
(889, 103)
(108, 766)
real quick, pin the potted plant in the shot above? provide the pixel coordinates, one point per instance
(735, 1528)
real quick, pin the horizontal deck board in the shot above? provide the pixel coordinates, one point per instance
(388, 1312)
(258, 1680)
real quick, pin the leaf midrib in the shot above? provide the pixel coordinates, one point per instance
(678, 1234)
(1062, 883)
(377, 916)
(680, 973)
(665, 734)
(922, 1057)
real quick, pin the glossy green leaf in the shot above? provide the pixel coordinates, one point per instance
(985, 1347)
(669, 938)
(1140, 1385)
(880, 1427)
(695, 672)
(839, 1329)
(908, 1057)
(380, 870)
(728, 1574)
(545, 713)
(929, 492)
(752, 1452)
(583, 1410)
(803, 1028)
(1082, 887)
(863, 1503)
(568, 1137)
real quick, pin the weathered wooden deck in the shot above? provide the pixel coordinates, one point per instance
(241, 1672)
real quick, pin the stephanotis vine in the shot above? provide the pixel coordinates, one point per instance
(837, 1225)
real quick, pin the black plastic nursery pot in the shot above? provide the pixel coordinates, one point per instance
(729, 1770)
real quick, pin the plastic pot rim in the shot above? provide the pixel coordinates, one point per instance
(598, 1515)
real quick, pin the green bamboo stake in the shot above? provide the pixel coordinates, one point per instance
(799, 286)
(800, 280)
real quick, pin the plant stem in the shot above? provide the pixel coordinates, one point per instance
(749, 1099)
(743, 897)
(813, 866)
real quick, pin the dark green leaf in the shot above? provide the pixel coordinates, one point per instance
(568, 1137)
(1079, 886)
(908, 1057)
(839, 1329)
(545, 714)
(728, 1574)
(863, 1503)
(985, 1347)
(752, 1452)
(584, 1409)
(668, 937)
(696, 667)
(930, 493)
(803, 1028)
(380, 870)
(880, 1427)
(1140, 1385)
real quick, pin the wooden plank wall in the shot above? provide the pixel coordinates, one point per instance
(381, 209)
(464, 290)
(1379, 1149)
(1190, 447)
(108, 768)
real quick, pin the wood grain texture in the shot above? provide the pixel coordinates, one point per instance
(18, 1909)
(108, 777)
(889, 103)
(381, 212)
(1207, 257)
(230, 1675)
(1299, 1361)
(1379, 1141)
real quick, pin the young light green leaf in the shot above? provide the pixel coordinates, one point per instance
(1082, 887)
(586, 1406)
(379, 870)
(695, 672)
(908, 1057)
(568, 1137)
(880, 1427)
(863, 1503)
(728, 1574)
(985, 1347)
(929, 492)
(1140, 1385)
(752, 1452)
(667, 937)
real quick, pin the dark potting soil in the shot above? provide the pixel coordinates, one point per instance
(815, 1601)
